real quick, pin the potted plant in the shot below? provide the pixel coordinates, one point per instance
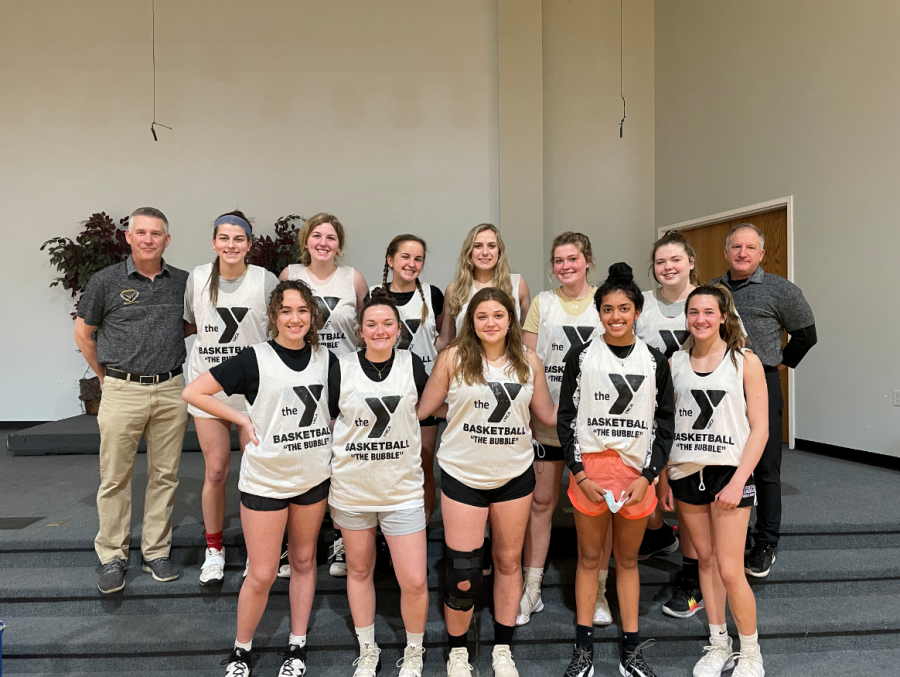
(275, 254)
(100, 243)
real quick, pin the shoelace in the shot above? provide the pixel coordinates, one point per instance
(368, 658)
(337, 549)
(238, 663)
(710, 650)
(503, 655)
(582, 659)
(456, 658)
(109, 567)
(737, 656)
(293, 654)
(636, 659)
(412, 655)
(530, 596)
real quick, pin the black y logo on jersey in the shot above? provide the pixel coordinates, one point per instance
(673, 339)
(622, 384)
(577, 336)
(232, 318)
(407, 329)
(382, 408)
(707, 401)
(504, 401)
(308, 395)
(326, 305)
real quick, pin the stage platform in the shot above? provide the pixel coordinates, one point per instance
(830, 608)
(78, 435)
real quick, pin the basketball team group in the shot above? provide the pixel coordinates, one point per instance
(661, 400)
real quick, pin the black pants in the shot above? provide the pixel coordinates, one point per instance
(768, 470)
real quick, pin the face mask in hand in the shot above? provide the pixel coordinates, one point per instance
(614, 505)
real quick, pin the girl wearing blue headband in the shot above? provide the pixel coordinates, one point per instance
(226, 301)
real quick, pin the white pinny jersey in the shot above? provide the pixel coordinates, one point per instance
(514, 283)
(487, 441)
(617, 403)
(337, 304)
(292, 423)
(377, 452)
(239, 320)
(711, 424)
(415, 335)
(666, 334)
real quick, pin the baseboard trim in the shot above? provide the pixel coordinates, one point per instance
(19, 425)
(847, 454)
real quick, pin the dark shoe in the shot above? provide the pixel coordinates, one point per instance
(760, 560)
(748, 542)
(238, 663)
(161, 569)
(686, 600)
(658, 542)
(582, 663)
(112, 576)
(632, 663)
(294, 662)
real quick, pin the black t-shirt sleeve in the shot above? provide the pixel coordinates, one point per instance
(239, 375)
(437, 300)
(334, 388)
(420, 376)
(664, 417)
(568, 410)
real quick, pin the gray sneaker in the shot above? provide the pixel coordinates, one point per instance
(112, 576)
(161, 569)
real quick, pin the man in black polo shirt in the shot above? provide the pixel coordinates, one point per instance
(768, 305)
(137, 310)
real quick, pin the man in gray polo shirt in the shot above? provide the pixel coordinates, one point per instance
(768, 305)
(137, 310)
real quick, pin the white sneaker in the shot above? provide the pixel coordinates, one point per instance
(502, 662)
(367, 663)
(749, 664)
(284, 566)
(716, 660)
(338, 559)
(602, 614)
(530, 603)
(458, 663)
(247, 567)
(411, 664)
(213, 570)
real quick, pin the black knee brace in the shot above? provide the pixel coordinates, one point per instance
(462, 566)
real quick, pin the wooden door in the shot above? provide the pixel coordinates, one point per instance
(709, 245)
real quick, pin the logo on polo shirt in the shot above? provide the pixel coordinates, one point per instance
(232, 318)
(504, 400)
(707, 400)
(130, 296)
(309, 396)
(674, 340)
(624, 385)
(326, 305)
(382, 408)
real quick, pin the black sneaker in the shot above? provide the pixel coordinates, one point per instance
(582, 663)
(658, 542)
(748, 542)
(487, 557)
(687, 599)
(112, 576)
(760, 560)
(161, 569)
(632, 663)
(294, 662)
(238, 663)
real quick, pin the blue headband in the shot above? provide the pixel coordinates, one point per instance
(232, 220)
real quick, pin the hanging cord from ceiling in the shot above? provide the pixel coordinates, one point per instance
(154, 124)
(621, 67)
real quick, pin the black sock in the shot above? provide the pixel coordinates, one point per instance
(630, 640)
(503, 634)
(690, 570)
(584, 636)
(457, 641)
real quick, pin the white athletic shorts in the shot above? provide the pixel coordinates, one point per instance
(392, 522)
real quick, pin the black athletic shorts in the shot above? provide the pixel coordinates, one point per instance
(517, 487)
(715, 478)
(266, 504)
(544, 452)
(430, 421)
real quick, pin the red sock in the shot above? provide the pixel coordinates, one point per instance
(214, 541)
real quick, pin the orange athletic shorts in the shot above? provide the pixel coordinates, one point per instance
(608, 470)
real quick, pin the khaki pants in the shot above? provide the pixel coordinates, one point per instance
(127, 411)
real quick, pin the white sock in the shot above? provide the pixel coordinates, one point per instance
(415, 638)
(601, 580)
(241, 645)
(718, 635)
(533, 576)
(749, 643)
(297, 640)
(366, 635)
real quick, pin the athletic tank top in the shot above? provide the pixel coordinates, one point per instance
(416, 335)
(666, 334)
(337, 304)
(617, 403)
(292, 423)
(377, 453)
(559, 332)
(487, 441)
(240, 319)
(711, 424)
(513, 281)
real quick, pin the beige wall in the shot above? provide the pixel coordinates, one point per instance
(763, 99)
